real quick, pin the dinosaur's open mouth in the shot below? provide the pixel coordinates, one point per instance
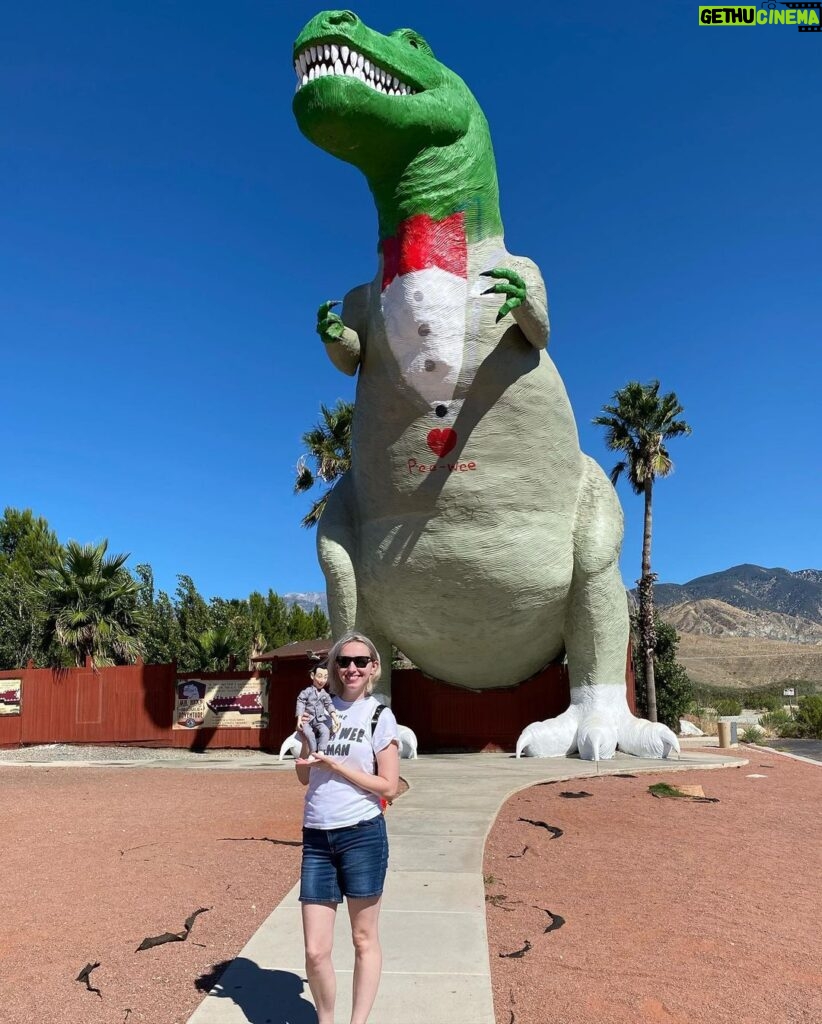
(333, 59)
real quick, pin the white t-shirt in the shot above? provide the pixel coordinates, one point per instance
(332, 801)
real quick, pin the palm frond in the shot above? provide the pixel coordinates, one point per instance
(637, 422)
(328, 447)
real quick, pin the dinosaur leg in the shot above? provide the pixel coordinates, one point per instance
(596, 640)
(336, 548)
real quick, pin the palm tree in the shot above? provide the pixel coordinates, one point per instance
(638, 424)
(328, 444)
(214, 648)
(90, 603)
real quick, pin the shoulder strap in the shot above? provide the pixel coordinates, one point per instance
(378, 710)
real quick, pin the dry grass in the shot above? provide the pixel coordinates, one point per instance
(705, 721)
(746, 661)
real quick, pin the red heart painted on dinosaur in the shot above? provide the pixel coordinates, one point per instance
(441, 441)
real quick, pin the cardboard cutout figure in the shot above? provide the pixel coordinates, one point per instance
(471, 531)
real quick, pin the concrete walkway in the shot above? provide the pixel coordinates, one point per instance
(435, 947)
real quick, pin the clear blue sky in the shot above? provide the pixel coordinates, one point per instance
(167, 235)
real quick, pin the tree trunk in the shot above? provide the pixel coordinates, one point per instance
(646, 603)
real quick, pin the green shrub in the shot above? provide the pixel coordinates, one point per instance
(809, 717)
(769, 702)
(728, 706)
(752, 734)
(674, 692)
(789, 730)
(775, 720)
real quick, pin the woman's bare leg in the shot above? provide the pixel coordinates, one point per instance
(318, 930)
(365, 919)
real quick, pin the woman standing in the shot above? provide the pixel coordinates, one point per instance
(345, 847)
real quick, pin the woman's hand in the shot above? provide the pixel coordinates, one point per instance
(318, 758)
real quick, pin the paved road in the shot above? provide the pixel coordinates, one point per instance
(804, 748)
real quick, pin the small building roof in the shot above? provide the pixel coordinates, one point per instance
(299, 650)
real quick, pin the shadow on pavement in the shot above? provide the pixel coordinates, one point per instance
(265, 997)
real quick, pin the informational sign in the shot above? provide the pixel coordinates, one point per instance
(789, 691)
(10, 691)
(221, 704)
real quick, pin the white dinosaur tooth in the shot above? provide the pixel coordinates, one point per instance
(327, 51)
(338, 68)
(395, 82)
(303, 63)
(312, 73)
(305, 80)
(350, 72)
(344, 51)
(361, 60)
(313, 51)
(335, 52)
(366, 64)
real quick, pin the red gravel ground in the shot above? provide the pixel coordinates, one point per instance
(675, 912)
(95, 860)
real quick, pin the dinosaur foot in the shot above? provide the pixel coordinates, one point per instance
(597, 723)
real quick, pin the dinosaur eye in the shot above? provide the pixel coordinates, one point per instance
(408, 35)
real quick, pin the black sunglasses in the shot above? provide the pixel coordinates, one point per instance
(360, 660)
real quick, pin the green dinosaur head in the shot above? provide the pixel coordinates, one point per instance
(388, 106)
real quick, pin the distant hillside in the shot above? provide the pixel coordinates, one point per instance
(748, 662)
(747, 626)
(753, 589)
(308, 600)
(717, 618)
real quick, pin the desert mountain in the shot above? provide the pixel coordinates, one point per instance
(748, 625)
(752, 588)
(308, 600)
(717, 618)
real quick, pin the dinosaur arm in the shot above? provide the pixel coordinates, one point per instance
(532, 315)
(344, 336)
(525, 299)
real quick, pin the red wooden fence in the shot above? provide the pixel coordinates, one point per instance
(134, 704)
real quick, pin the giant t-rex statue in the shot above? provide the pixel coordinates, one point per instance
(471, 531)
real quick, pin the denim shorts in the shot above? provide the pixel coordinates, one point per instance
(349, 861)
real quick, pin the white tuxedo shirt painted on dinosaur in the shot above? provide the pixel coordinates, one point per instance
(424, 314)
(424, 295)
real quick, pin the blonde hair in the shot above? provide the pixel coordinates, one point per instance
(334, 684)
